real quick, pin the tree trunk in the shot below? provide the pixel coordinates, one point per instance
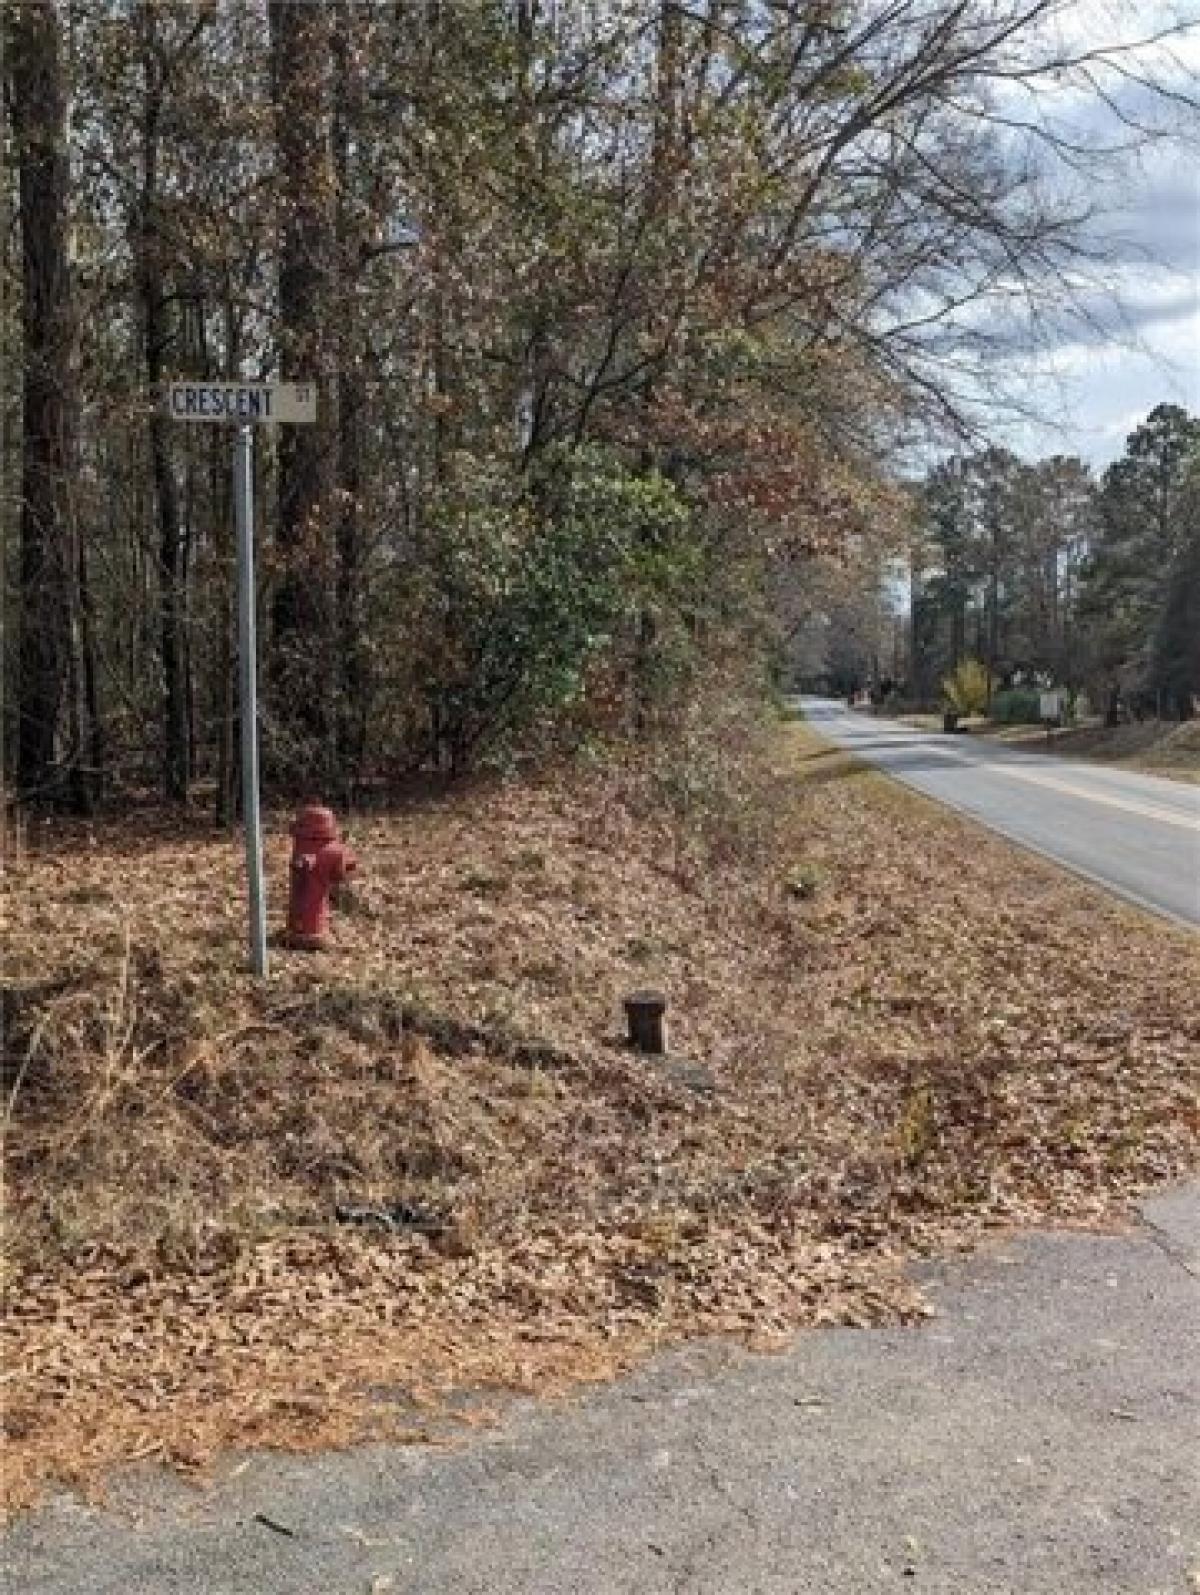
(958, 632)
(93, 777)
(150, 275)
(54, 735)
(351, 683)
(532, 364)
(302, 613)
(664, 159)
(175, 725)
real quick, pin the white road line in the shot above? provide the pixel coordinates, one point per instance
(1149, 811)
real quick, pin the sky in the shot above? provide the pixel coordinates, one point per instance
(1094, 385)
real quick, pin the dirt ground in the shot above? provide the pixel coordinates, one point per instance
(308, 1211)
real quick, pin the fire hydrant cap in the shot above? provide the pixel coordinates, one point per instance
(314, 823)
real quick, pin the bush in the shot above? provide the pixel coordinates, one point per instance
(1017, 706)
(966, 691)
(532, 592)
(711, 774)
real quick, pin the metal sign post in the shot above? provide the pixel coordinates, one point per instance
(243, 501)
(247, 404)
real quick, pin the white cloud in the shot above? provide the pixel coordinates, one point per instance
(1094, 396)
(1139, 342)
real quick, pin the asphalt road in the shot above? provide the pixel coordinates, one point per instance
(1138, 835)
(1039, 1436)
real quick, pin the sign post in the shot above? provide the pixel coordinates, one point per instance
(243, 501)
(247, 404)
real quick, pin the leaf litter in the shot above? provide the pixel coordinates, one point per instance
(310, 1212)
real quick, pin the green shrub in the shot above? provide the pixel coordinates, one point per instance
(1017, 706)
(533, 589)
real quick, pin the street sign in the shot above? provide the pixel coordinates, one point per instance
(244, 403)
(1050, 706)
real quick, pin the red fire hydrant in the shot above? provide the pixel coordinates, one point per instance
(320, 861)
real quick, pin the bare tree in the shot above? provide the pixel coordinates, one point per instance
(56, 686)
(160, 61)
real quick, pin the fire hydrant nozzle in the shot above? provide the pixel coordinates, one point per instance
(320, 861)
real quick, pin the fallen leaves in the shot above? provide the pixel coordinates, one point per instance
(945, 1035)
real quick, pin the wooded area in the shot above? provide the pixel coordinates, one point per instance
(662, 350)
(618, 313)
(1047, 576)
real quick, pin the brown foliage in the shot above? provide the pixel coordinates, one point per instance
(936, 1035)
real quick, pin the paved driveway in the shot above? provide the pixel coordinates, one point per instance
(1040, 1436)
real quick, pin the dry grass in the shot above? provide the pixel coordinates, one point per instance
(1154, 747)
(904, 1031)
